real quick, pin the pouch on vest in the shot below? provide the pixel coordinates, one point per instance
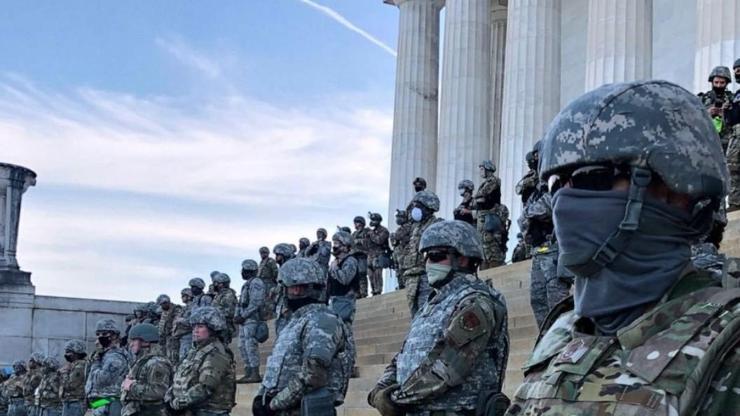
(343, 307)
(492, 403)
(493, 224)
(261, 332)
(384, 260)
(319, 402)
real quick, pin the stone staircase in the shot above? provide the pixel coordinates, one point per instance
(381, 324)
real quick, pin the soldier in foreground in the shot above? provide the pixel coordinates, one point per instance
(31, 382)
(106, 370)
(225, 300)
(13, 390)
(143, 389)
(377, 249)
(645, 334)
(47, 393)
(425, 204)
(248, 315)
(72, 390)
(454, 357)
(306, 372)
(400, 242)
(170, 345)
(205, 382)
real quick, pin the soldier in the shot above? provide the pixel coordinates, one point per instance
(306, 372)
(13, 390)
(522, 251)
(718, 102)
(199, 300)
(72, 377)
(303, 244)
(320, 250)
(377, 248)
(400, 241)
(283, 252)
(31, 382)
(152, 313)
(205, 382)
(528, 184)
(167, 342)
(106, 370)
(705, 255)
(633, 341)
(732, 117)
(342, 287)
(453, 360)
(248, 315)
(225, 300)
(268, 272)
(147, 381)
(419, 184)
(180, 327)
(492, 217)
(3, 400)
(425, 204)
(360, 248)
(47, 393)
(464, 211)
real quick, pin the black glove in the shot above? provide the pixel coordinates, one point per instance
(260, 408)
(381, 400)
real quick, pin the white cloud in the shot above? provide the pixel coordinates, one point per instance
(333, 14)
(289, 170)
(189, 56)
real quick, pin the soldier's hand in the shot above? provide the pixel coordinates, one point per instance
(127, 383)
(714, 111)
(260, 408)
(381, 400)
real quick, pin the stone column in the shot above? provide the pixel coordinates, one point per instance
(531, 90)
(498, 51)
(619, 41)
(414, 150)
(465, 99)
(717, 38)
(14, 181)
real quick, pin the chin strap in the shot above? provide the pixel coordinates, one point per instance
(616, 243)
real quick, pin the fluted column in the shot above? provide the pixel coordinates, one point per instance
(414, 151)
(498, 52)
(717, 38)
(14, 181)
(465, 100)
(619, 41)
(531, 89)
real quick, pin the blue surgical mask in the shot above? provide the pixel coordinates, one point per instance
(437, 272)
(416, 214)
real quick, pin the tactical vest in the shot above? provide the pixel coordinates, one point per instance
(47, 393)
(188, 373)
(336, 288)
(136, 374)
(427, 330)
(413, 261)
(660, 364)
(14, 386)
(73, 381)
(286, 358)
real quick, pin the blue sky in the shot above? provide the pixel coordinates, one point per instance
(174, 138)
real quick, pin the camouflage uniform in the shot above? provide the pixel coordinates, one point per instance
(182, 325)
(522, 251)
(489, 211)
(151, 373)
(3, 399)
(13, 390)
(709, 99)
(320, 250)
(268, 272)
(377, 246)
(31, 382)
(205, 381)
(360, 249)
(400, 242)
(342, 287)
(226, 302)
(72, 379)
(47, 393)
(706, 256)
(456, 351)
(167, 341)
(282, 312)
(307, 356)
(417, 286)
(464, 211)
(676, 351)
(105, 372)
(251, 302)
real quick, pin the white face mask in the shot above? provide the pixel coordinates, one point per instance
(437, 272)
(416, 214)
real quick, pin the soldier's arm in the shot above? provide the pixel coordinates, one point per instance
(388, 377)
(320, 344)
(211, 374)
(230, 305)
(256, 298)
(540, 209)
(111, 369)
(450, 362)
(347, 271)
(723, 397)
(159, 377)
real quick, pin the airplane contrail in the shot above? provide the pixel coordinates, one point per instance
(349, 25)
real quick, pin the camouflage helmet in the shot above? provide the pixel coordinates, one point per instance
(264, 250)
(428, 199)
(37, 357)
(304, 242)
(466, 184)
(736, 64)
(145, 332)
(214, 274)
(209, 316)
(488, 165)
(301, 271)
(76, 346)
(401, 213)
(284, 249)
(343, 238)
(419, 181)
(163, 299)
(720, 71)
(250, 265)
(140, 308)
(375, 217)
(107, 324)
(322, 231)
(653, 125)
(345, 229)
(359, 219)
(51, 363)
(222, 278)
(186, 292)
(197, 282)
(19, 366)
(455, 234)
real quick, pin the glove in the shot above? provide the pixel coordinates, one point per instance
(262, 409)
(381, 400)
(178, 404)
(238, 319)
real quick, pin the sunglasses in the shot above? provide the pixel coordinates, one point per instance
(591, 178)
(436, 256)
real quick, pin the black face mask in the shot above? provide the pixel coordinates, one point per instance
(418, 188)
(246, 275)
(70, 357)
(104, 341)
(196, 291)
(295, 304)
(279, 260)
(718, 91)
